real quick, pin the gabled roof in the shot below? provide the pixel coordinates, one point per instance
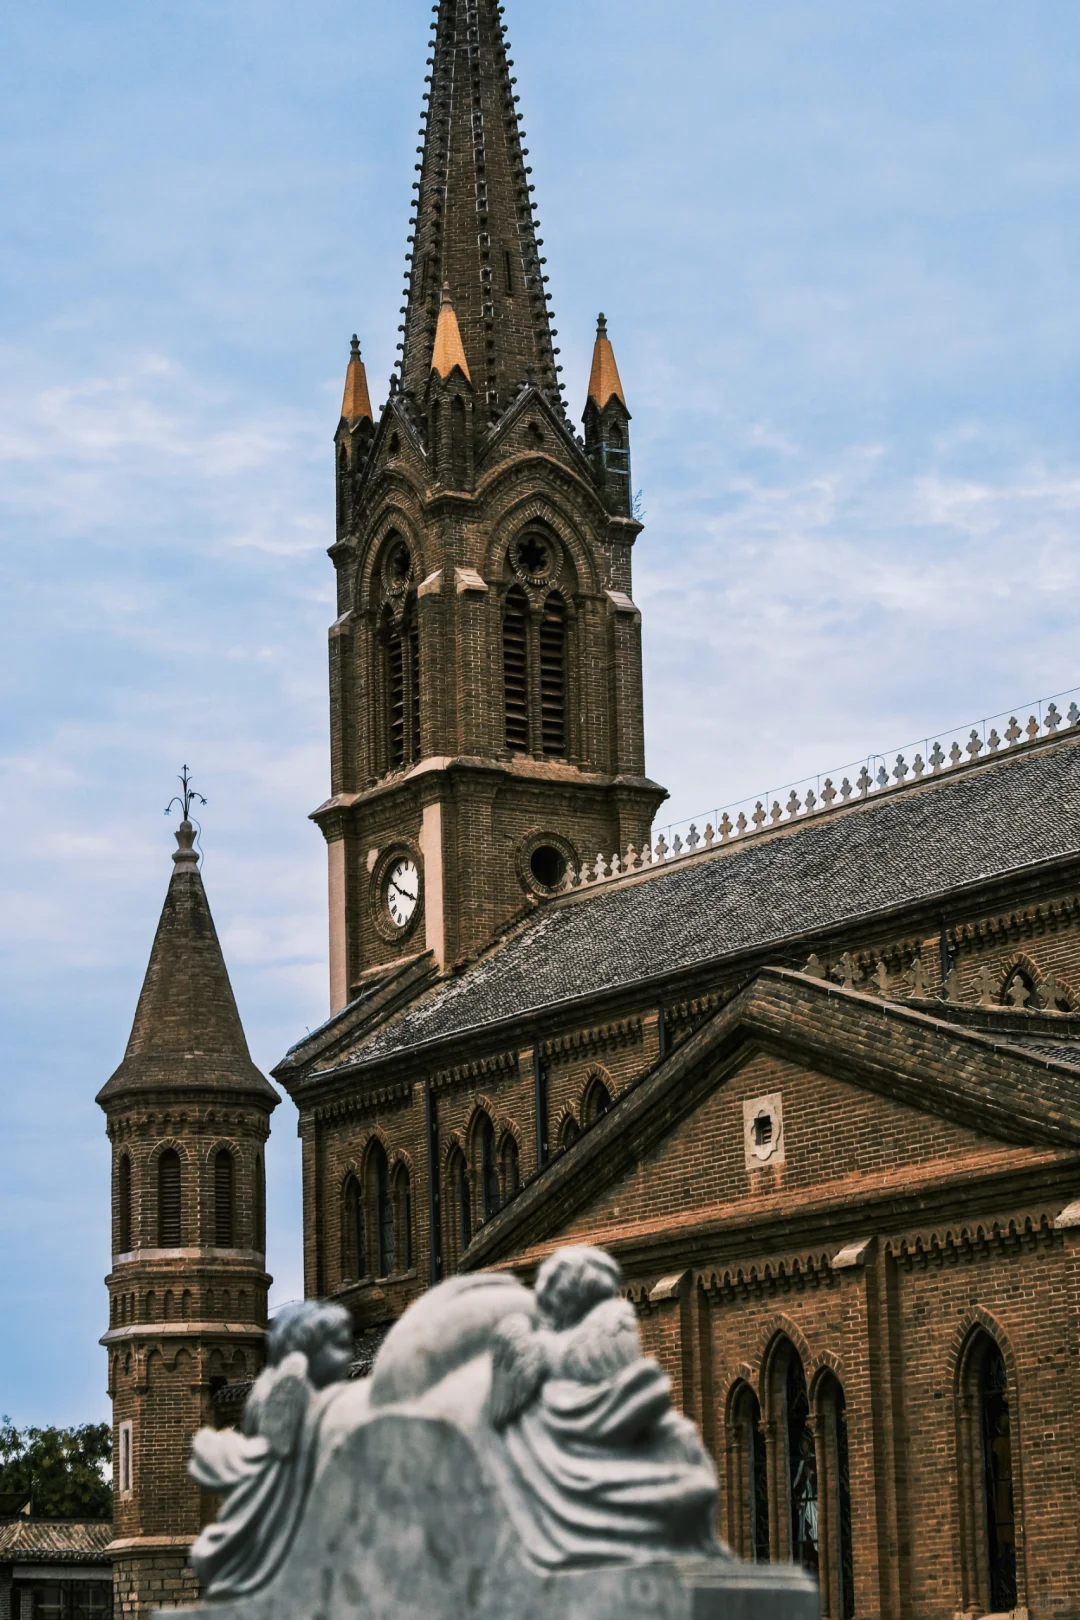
(924, 841)
(28, 1541)
(964, 1076)
(187, 1031)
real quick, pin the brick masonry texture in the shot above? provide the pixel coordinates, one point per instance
(513, 1069)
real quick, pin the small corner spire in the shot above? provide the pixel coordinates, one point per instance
(604, 380)
(356, 406)
(185, 859)
(449, 351)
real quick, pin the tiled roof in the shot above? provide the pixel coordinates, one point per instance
(927, 840)
(24, 1540)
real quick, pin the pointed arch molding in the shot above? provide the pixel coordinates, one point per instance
(1020, 961)
(541, 509)
(390, 521)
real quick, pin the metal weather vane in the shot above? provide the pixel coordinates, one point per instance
(187, 798)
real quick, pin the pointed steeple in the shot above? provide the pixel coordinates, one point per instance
(474, 229)
(187, 1031)
(356, 406)
(449, 351)
(604, 382)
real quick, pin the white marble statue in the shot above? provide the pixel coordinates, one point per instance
(571, 1427)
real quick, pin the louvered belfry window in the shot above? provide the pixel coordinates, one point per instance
(223, 1199)
(553, 677)
(401, 686)
(395, 696)
(516, 670)
(169, 1184)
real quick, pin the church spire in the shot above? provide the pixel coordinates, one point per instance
(474, 230)
(187, 1029)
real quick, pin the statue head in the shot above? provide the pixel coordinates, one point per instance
(321, 1332)
(571, 1281)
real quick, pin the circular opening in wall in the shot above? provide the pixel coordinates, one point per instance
(547, 865)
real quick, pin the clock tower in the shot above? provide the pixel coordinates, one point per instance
(485, 662)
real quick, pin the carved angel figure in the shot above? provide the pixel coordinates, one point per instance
(264, 1469)
(604, 1467)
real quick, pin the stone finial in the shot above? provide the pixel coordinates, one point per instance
(185, 858)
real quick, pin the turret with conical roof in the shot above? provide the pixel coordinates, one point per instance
(485, 662)
(607, 426)
(188, 1116)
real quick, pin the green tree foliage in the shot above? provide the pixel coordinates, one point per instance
(61, 1470)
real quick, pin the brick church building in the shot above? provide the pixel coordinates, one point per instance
(813, 1078)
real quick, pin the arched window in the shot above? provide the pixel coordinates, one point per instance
(836, 1573)
(223, 1199)
(260, 1203)
(489, 1169)
(509, 1168)
(989, 1507)
(748, 1488)
(403, 1217)
(515, 670)
(597, 1101)
(395, 693)
(997, 1463)
(379, 1182)
(355, 1245)
(569, 1131)
(802, 1467)
(401, 686)
(123, 1204)
(553, 677)
(463, 1197)
(168, 1190)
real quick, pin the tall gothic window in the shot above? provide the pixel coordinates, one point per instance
(802, 1468)
(553, 677)
(223, 1199)
(168, 1190)
(464, 1201)
(355, 1245)
(534, 674)
(748, 1487)
(403, 1217)
(399, 638)
(123, 1204)
(988, 1486)
(997, 1461)
(509, 1167)
(379, 1182)
(515, 669)
(836, 1572)
(489, 1169)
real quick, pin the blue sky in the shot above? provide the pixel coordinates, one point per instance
(838, 245)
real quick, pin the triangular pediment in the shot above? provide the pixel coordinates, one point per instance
(862, 1094)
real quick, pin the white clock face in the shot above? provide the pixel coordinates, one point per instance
(402, 892)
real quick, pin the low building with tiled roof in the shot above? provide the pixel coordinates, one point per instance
(54, 1569)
